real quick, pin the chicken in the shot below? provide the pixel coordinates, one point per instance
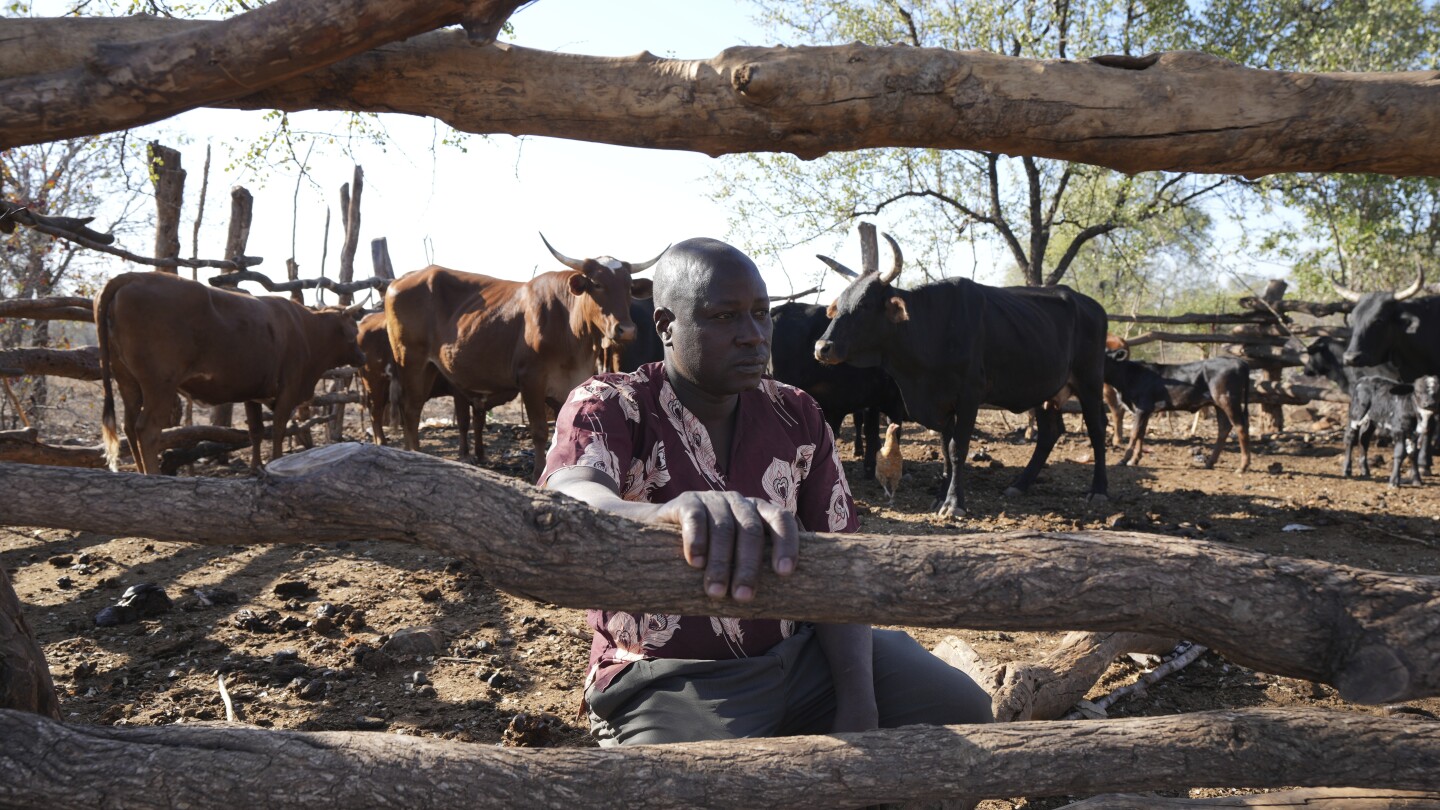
(890, 464)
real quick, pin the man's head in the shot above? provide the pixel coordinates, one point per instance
(713, 316)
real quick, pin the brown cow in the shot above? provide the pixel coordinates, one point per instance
(160, 334)
(494, 338)
(375, 375)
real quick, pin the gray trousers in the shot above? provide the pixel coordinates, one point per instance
(784, 692)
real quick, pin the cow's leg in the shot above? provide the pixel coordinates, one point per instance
(1136, 450)
(533, 397)
(1222, 432)
(255, 423)
(1367, 432)
(1117, 415)
(1049, 424)
(284, 409)
(1399, 450)
(411, 386)
(1093, 414)
(1422, 441)
(377, 401)
(872, 439)
(153, 417)
(1349, 450)
(955, 441)
(1241, 419)
(482, 410)
(462, 424)
(132, 398)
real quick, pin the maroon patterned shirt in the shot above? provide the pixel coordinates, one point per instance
(632, 428)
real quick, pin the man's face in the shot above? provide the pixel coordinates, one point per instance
(720, 340)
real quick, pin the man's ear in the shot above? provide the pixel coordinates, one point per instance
(641, 287)
(663, 319)
(895, 310)
(580, 285)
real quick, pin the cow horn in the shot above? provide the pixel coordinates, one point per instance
(1413, 288)
(573, 264)
(643, 266)
(838, 267)
(899, 261)
(1345, 292)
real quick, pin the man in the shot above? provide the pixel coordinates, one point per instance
(706, 442)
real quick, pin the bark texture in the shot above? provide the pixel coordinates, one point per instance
(1312, 799)
(1179, 111)
(60, 308)
(77, 364)
(47, 764)
(1375, 636)
(25, 683)
(118, 83)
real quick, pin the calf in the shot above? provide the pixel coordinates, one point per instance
(1406, 411)
(1144, 388)
(1326, 358)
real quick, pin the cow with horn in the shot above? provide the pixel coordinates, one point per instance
(954, 345)
(1394, 327)
(494, 339)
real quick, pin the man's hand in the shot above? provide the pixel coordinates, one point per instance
(725, 533)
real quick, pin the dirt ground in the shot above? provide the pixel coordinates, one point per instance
(319, 637)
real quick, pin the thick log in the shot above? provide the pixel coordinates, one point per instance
(380, 258)
(1047, 688)
(126, 84)
(32, 452)
(25, 683)
(1317, 309)
(59, 308)
(68, 226)
(77, 364)
(1309, 799)
(1271, 392)
(350, 220)
(1193, 318)
(1375, 636)
(1187, 337)
(204, 767)
(1176, 111)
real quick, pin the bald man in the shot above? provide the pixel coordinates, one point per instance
(706, 442)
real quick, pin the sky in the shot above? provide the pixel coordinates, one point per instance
(483, 210)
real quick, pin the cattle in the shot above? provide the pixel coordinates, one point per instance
(1388, 327)
(645, 348)
(838, 389)
(1326, 358)
(1405, 411)
(494, 339)
(376, 377)
(1145, 388)
(160, 335)
(954, 345)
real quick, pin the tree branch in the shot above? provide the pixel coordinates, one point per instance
(804, 100)
(1376, 636)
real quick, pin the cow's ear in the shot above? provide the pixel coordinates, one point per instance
(895, 310)
(641, 287)
(830, 311)
(1411, 322)
(579, 284)
(1119, 355)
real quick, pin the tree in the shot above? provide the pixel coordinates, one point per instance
(64, 178)
(1364, 230)
(1041, 214)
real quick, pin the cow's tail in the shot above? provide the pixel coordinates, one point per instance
(102, 341)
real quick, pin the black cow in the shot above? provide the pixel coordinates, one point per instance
(953, 345)
(645, 348)
(1326, 358)
(1406, 411)
(839, 389)
(1145, 388)
(1386, 327)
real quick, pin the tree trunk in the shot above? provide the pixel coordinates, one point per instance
(77, 364)
(169, 181)
(25, 683)
(63, 308)
(242, 207)
(1176, 111)
(1375, 636)
(1311, 799)
(201, 767)
(1046, 689)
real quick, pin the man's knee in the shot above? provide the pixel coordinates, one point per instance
(913, 686)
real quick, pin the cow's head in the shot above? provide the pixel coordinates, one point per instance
(865, 313)
(1427, 394)
(607, 282)
(341, 335)
(1323, 357)
(1376, 321)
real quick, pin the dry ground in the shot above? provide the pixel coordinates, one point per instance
(297, 630)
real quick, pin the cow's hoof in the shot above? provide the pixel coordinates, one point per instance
(1097, 499)
(1013, 492)
(950, 509)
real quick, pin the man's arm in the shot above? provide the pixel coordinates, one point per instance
(724, 533)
